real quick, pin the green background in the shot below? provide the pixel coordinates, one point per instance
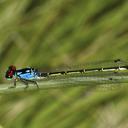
(47, 34)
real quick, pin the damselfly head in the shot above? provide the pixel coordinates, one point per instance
(10, 72)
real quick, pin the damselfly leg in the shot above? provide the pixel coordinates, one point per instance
(26, 82)
(14, 86)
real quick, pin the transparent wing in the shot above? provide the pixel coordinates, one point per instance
(85, 79)
(98, 64)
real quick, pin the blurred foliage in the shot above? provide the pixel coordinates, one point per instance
(51, 33)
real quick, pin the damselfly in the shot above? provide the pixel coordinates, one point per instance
(31, 75)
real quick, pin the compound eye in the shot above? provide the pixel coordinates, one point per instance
(9, 74)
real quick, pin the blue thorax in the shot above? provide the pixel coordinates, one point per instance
(27, 73)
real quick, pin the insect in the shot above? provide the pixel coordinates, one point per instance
(31, 75)
(25, 75)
